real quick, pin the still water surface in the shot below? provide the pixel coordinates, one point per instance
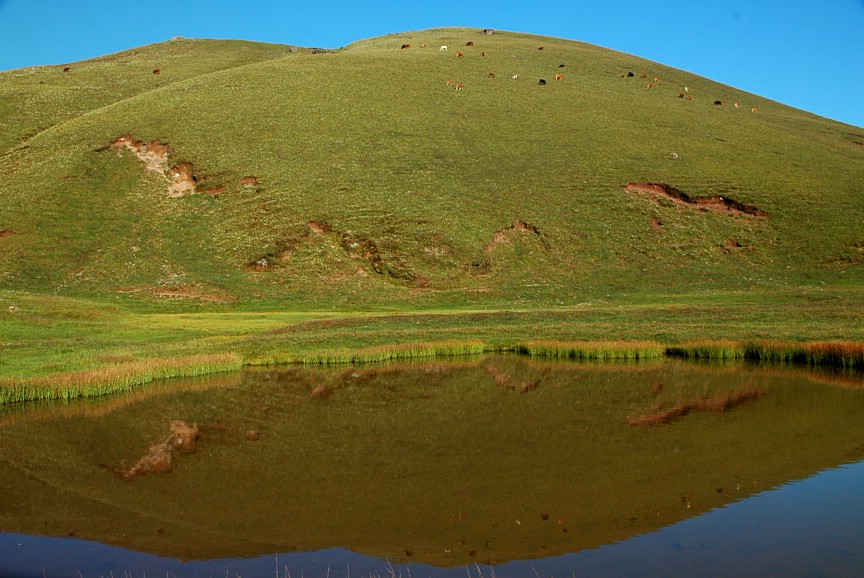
(495, 466)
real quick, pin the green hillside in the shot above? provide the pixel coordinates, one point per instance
(250, 175)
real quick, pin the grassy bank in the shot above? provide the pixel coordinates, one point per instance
(114, 379)
(846, 354)
(63, 348)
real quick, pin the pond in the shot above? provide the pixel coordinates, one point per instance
(494, 466)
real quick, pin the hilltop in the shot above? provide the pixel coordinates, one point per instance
(394, 174)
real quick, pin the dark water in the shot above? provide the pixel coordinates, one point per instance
(497, 466)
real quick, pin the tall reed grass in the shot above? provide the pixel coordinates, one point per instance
(115, 379)
(398, 351)
(595, 350)
(846, 354)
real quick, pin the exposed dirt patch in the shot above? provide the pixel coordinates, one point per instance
(856, 139)
(366, 249)
(733, 246)
(713, 202)
(717, 403)
(183, 180)
(199, 292)
(250, 181)
(319, 227)
(7, 233)
(504, 235)
(154, 154)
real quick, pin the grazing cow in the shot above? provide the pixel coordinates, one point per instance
(560, 66)
(515, 77)
(458, 87)
(404, 46)
(442, 49)
(718, 102)
(542, 81)
(754, 109)
(630, 74)
(66, 69)
(450, 83)
(491, 75)
(488, 31)
(157, 70)
(643, 75)
(483, 54)
(649, 85)
(459, 54)
(736, 104)
(469, 43)
(559, 76)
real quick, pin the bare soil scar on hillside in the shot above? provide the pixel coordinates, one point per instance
(709, 203)
(503, 235)
(154, 155)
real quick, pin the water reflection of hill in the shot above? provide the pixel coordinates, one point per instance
(446, 463)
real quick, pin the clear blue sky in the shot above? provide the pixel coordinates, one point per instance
(806, 54)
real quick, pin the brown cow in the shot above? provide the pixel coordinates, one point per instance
(404, 46)
(469, 43)
(157, 70)
(491, 75)
(459, 54)
(458, 87)
(559, 76)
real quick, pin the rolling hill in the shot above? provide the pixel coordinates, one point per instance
(235, 171)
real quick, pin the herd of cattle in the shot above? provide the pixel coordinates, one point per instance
(460, 54)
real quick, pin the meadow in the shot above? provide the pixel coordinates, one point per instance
(351, 205)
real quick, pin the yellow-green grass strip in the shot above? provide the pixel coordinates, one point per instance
(114, 379)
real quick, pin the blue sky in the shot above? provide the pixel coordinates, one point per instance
(806, 54)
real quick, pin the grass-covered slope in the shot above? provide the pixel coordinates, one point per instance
(362, 176)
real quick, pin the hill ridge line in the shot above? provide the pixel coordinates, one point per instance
(26, 142)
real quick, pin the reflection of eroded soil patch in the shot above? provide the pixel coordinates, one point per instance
(713, 202)
(159, 459)
(517, 384)
(717, 403)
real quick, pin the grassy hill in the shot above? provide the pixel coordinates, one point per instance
(249, 176)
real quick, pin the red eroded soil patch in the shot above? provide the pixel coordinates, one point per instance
(501, 235)
(7, 233)
(712, 202)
